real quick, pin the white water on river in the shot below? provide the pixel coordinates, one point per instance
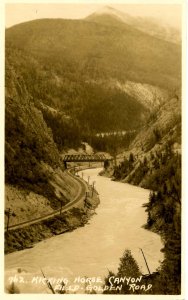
(94, 249)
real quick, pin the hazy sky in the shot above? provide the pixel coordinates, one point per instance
(22, 12)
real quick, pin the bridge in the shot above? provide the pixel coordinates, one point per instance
(84, 158)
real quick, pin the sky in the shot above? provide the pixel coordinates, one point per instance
(16, 13)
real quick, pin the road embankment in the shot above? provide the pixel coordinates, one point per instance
(73, 215)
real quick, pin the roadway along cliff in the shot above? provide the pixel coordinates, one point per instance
(74, 214)
(82, 189)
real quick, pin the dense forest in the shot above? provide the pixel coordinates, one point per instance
(112, 143)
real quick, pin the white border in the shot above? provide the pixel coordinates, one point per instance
(184, 148)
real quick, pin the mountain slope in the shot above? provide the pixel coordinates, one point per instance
(69, 65)
(163, 130)
(164, 124)
(32, 161)
(148, 25)
(99, 51)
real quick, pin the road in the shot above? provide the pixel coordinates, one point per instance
(82, 188)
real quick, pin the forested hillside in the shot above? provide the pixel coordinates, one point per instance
(31, 156)
(69, 65)
(95, 51)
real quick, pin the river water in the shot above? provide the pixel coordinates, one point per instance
(94, 249)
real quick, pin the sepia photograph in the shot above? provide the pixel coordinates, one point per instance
(93, 148)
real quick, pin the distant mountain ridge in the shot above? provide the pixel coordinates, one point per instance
(95, 51)
(148, 25)
(69, 65)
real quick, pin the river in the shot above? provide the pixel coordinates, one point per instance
(94, 249)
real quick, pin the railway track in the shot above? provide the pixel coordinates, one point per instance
(82, 189)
